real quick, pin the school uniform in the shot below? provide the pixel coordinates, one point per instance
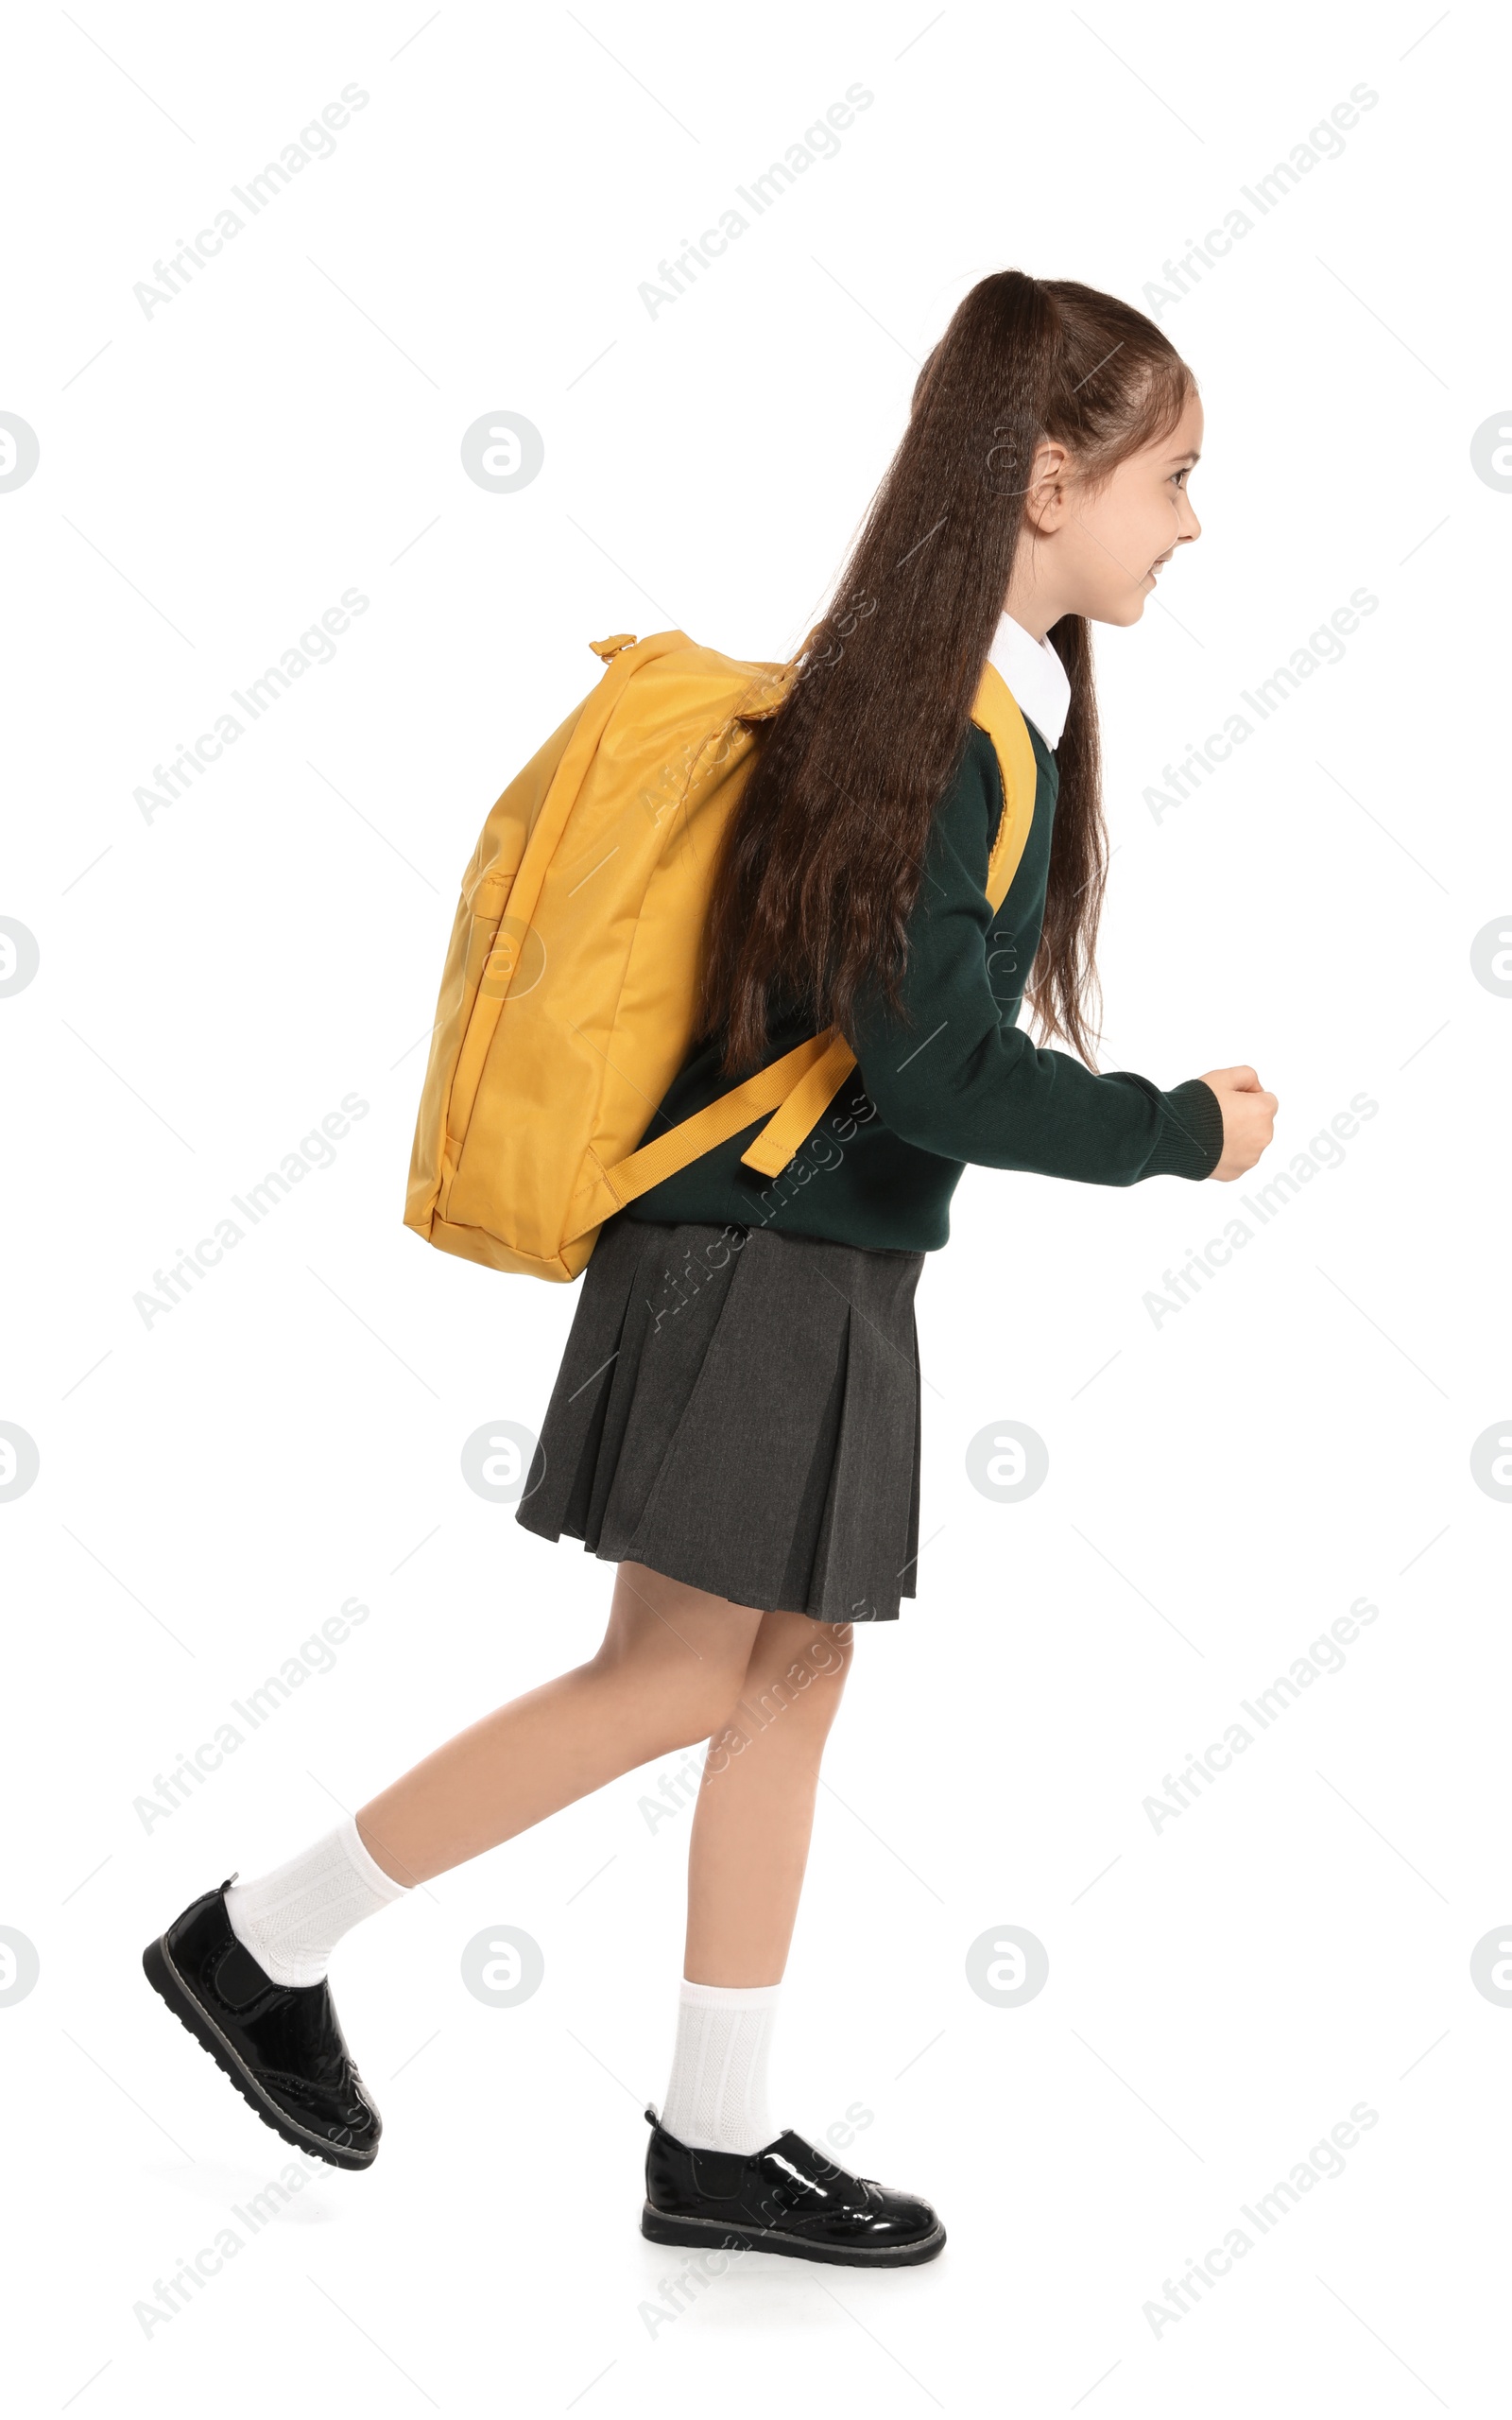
(738, 1402)
(737, 1407)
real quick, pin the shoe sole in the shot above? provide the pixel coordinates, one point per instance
(165, 1980)
(705, 2233)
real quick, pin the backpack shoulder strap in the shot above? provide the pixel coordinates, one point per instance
(770, 1088)
(996, 712)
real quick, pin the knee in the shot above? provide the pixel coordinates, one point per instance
(682, 1700)
(802, 1673)
(695, 1721)
(702, 1703)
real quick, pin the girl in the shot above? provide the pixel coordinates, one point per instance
(736, 1422)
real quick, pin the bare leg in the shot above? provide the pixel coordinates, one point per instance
(755, 1810)
(669, 1668)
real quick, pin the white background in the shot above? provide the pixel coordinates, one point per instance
(1222, 1486)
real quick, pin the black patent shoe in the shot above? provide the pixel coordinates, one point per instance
(281, 2046)
(788, 2198)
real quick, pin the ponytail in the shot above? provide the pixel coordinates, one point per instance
(824, 855)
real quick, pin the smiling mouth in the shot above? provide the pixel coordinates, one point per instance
(1161, 560)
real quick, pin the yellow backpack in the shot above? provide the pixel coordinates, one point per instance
(567, 1001)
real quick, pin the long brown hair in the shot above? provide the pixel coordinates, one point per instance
(824, 853)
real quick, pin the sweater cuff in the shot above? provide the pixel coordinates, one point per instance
(1191, 1138)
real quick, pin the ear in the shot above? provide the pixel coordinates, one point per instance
(1046, 503)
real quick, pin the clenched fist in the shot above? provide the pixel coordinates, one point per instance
(1249, 1119)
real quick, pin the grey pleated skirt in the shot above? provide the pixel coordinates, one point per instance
(740, 1410)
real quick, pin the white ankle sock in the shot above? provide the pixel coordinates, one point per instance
(292, 1918)
(716, 2097)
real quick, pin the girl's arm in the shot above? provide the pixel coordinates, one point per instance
(959, 1080)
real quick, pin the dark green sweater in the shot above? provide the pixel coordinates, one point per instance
(959, 1083)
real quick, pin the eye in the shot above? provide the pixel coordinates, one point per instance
(1180, 476)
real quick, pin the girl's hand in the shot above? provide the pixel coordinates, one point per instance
(1249, 1119)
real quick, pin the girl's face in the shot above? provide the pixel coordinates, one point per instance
(1100, 554)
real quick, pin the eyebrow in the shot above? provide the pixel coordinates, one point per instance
(1186, 457)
